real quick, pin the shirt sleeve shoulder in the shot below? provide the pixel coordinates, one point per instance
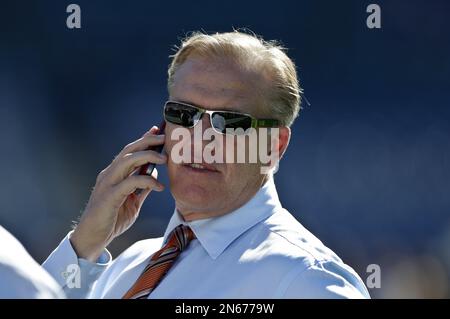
(323, 280)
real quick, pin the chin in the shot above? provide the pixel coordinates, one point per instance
(193, 190)
(192, 194)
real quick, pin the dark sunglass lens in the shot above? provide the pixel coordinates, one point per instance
(180, 114)
(222, 121)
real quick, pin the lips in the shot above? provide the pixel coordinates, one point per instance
(203, 167)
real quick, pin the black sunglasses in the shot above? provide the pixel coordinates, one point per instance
(188, 116)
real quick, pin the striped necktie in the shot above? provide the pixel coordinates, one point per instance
(160, 263)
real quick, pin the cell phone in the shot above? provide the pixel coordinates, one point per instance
(148, 168)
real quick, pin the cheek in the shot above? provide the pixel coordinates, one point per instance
(168, 142)
(239, 174)
(174, 142)
(240, 150)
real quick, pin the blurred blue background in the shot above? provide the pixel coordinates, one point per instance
(368, 168)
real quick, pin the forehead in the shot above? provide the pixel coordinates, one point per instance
(217, 84)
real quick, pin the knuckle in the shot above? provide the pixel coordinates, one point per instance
(127, 156)
(101, 175)
(127, 147)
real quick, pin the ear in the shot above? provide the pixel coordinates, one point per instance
(281, 144)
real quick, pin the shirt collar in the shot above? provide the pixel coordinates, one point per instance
(217, 233)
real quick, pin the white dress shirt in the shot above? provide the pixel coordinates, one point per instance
(257, 251)
(21, 276)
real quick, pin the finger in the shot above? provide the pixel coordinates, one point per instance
(140, 195)
(153, 130)
(143, 193)
(131, 183)
(148, 139)
(130, 162)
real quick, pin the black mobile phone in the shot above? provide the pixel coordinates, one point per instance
(148, 168)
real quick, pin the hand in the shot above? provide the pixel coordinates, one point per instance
(113, 206)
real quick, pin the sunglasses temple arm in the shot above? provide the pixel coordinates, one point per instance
(264, 123)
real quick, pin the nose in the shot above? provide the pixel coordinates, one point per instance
(206, 121)
(197, 134)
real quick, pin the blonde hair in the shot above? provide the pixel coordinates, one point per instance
(249, 51)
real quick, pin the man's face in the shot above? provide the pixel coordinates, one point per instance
(213, 85)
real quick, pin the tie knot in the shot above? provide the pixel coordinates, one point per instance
(181, 236)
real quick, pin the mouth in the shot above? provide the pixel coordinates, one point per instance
(201, 168)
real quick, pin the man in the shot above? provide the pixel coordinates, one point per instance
(20, 276)
(229, 236)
